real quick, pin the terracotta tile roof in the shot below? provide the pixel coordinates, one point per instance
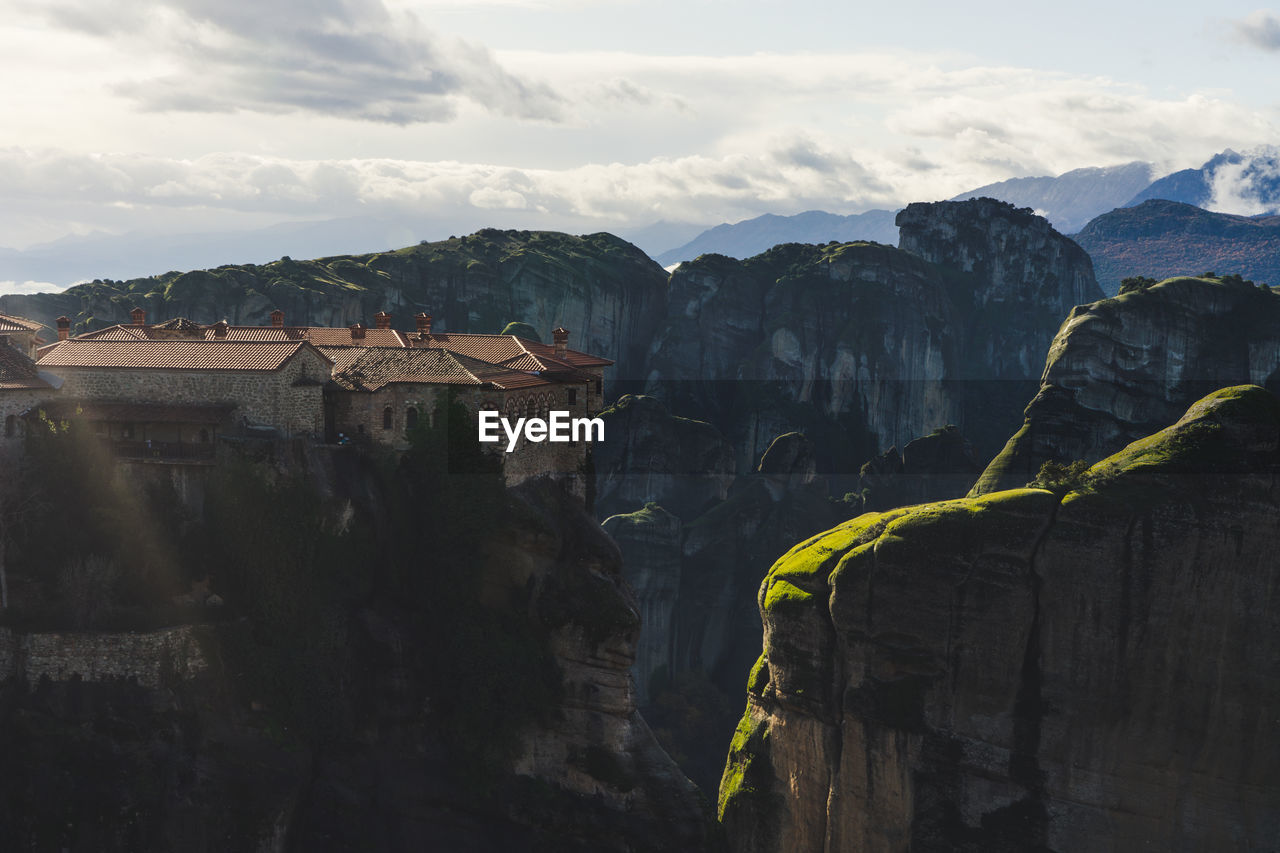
(509, 351)
(17, 372)
(137, 412)
(372, 368)
(174, 354)
(18, 324)
(315, 335)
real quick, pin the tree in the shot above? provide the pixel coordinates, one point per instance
(1136, 283)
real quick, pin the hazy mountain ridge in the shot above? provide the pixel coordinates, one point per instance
(752, 236)
(1072, 198)
(1160, 239)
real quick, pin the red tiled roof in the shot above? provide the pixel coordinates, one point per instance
(172, 354)
(509, 351)
(315, 335)
(18, 324)
(372, 368)
(17, 372)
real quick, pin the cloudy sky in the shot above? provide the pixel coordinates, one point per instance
(188, 116)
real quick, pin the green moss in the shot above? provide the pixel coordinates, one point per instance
(758, 680)
(746, 772)
(783, 593)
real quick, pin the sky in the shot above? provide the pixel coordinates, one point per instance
(161, 117)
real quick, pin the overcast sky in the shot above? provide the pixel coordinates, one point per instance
(192, 115)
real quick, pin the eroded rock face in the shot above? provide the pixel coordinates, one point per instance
(1121, 368)
(215, 738)
(862, 346)
(650, 455)
(1031, 670)
(650, 543)
(608, 293)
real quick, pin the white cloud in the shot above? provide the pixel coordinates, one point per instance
(1260, 29)
(7, 287)
(1249, 187)
(356, 59)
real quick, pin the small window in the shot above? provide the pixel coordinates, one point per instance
(599, 390)
(410, 418)
(573, 396)
(387, 416)
(204, 436)
(127, 431)
(10, 426)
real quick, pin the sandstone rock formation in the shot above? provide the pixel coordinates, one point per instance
(1121, 368)
(379, 678)
(650, 455)
(1085, 670)
(607, 292)
(650, 543)
(862, 346)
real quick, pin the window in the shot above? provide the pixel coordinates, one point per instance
(388, 415)
(204, 436)
(10, 426)
(410, 418)
(599, 391)
(573, 396)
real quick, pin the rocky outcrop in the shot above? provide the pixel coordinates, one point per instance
(934, 467)
(1121, 368)
(608, 293)
(727, 551)
(862, 346)
(649, 540)
(423, 662)
(1089, 669)
(650, 455)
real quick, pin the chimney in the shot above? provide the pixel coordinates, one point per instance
(220, 329)
(139, 316)
(64, 328)
(357, 332)
(424, 323)
(277, 318)
(382, 320)
(560, 335)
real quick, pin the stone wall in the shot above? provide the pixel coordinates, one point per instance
(152, 659)
(269, 398)
(13, 404)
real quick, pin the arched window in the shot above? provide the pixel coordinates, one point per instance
(10, 426)
(388, 415)
(410, 418)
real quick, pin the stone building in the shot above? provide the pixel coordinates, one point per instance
(170, 389)
(158, 395)
(20, 334)
(21, 388)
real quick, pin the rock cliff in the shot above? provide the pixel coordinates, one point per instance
(651, 455)
(1084, 669)
(863, 346)
(608, 293)
(1121, 368)
(425, 661)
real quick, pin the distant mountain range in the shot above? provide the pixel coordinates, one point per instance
(1160, 239)
(1245, 183)
(1071, 199)
(1248, 182)
(753, 236)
